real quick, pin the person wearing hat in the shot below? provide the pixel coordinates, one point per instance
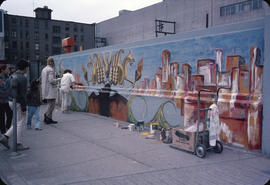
(49, 89)
(18, 91)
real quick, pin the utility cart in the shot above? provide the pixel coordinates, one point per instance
(197, 140)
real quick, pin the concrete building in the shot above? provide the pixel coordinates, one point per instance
(177, 16)
(36, 38)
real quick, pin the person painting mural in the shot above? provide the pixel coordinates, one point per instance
(49, 89)
(67, 81)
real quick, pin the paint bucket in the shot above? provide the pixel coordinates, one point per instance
(140, 125)
(153, 127)
(131, 127)
(116, 123)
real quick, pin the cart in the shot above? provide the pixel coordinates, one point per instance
(196, 141)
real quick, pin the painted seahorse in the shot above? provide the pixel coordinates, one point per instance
(128, 59)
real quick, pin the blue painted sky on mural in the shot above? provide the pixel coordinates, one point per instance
(189, 51)
(184, 51)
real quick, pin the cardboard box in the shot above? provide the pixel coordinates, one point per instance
(185, 140)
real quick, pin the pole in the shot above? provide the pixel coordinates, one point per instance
(14, 148)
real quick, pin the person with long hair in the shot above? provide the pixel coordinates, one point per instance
(49, 89)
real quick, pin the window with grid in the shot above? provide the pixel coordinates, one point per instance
(237, 8)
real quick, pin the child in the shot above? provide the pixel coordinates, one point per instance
(33, 104)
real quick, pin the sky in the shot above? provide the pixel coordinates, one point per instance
(84, 11)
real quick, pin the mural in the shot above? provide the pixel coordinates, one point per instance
(159, 83)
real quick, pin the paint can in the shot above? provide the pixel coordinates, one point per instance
(116, 123)
(153, 127)
(131, 127)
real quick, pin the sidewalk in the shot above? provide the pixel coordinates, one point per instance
(85, 149)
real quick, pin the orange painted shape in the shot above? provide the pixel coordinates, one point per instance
(238, 130)
(198, 81)
(234, 61)
(244, 81)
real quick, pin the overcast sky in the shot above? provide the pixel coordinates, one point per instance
(85, 11)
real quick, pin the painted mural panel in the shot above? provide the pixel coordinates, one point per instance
(159, 82)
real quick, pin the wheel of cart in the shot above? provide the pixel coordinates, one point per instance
(200, 150)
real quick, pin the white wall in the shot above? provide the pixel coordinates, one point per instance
(189, 15)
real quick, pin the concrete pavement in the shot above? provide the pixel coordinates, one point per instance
(85, 149)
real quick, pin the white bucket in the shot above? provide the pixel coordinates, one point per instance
(116, 123)
(131, 127)
(153, 127)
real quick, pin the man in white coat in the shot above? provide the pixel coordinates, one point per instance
(66, 81)
(49, 89)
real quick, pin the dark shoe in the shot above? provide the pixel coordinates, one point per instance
(4, 141)
(50, 121)
(46, 119)
(21, 147)
(53, 122)
(38, 129)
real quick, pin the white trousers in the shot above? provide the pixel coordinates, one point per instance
(64, 103)
(21, 120)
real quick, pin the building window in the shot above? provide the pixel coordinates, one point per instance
(46, 36)
(75, 48)
(6, 45)
(21, 45)
(14, 20)
(27, 45)
(46, 25)
(75, 38)
(82, 38)
(75, 28)
(21, 34)
(26, 23)
(36, 24)
(81, 28)
(56, 29)
(56, 50)
(240, 7)
(36, 46)
(47, 47)
(27, 35)
(56, 40)
(13, 34)
(67, 27)
(14, 44)
(36, 35)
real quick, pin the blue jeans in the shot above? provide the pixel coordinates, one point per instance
(33, 110)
